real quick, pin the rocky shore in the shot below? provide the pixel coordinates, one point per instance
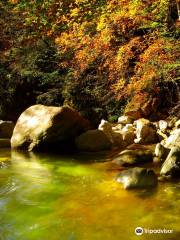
(134, 142)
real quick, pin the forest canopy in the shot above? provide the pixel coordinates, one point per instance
(99, 56)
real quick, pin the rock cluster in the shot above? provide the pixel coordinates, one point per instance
(136, 141)
(141, 141)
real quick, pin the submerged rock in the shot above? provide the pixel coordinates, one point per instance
(93, 141)
(171, 166)
(43, 128)
(137, 178)
(133, 157)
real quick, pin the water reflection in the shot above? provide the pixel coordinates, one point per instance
(46, 197)
(30, 168)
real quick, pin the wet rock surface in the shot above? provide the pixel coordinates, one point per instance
(137, 178)
(133, 157)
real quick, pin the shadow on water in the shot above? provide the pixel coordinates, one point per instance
(146, 193)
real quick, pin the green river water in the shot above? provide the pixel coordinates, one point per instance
(51, 197)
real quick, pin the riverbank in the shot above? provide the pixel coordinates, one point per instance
(131, 142)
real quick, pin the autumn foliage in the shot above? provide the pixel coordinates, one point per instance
(110, 49)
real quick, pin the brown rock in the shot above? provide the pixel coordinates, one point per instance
(42, 127)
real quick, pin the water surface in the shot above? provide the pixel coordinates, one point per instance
(51, 197)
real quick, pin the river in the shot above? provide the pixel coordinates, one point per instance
(53, 197)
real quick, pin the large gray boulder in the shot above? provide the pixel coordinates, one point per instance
(6, 129)
(137, 178)
(44, 128)
(171, 166)
(133, 157)
(93, 141)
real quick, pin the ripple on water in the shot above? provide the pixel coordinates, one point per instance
(9, 187)
(46, 197)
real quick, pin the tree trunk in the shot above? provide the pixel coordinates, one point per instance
(178, 8)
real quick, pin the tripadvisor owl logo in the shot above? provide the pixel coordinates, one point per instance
(139, 231)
